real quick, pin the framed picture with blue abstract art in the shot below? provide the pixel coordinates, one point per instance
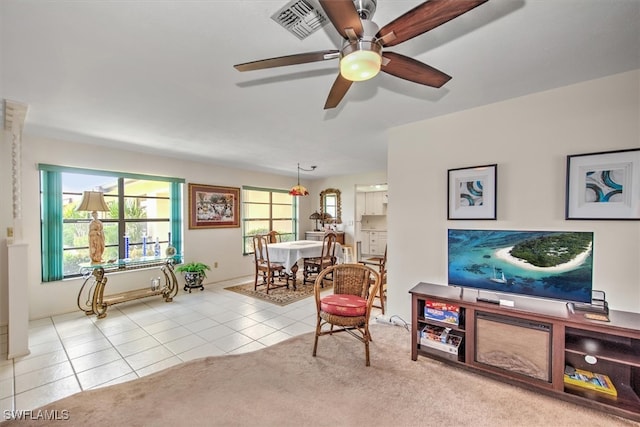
(472, 192)
(604, 185)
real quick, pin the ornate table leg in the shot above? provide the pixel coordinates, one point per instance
(85, 296)
(171, 283)
(98, 307)
(294, 270)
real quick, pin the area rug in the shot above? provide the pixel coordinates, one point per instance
(278, 296)
(285, 386)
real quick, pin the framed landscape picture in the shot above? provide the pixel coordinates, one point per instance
(472, 192)
(603, 185)
(213, 206)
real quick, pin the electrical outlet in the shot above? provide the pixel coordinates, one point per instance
(215, 264)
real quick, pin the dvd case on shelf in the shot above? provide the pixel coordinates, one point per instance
(440, 338)
(591, 381)
(442, 312)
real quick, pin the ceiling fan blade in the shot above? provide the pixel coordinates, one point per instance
(425, 17)
(413, 70)
(343, 15)
(300, 58)
(338, 91)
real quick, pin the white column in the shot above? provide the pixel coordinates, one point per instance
(14, 117)
(18, 289)
(18, 344)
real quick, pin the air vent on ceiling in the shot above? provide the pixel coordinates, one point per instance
(301, 18)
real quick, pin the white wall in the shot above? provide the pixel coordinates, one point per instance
(529, 138)
(206, 245)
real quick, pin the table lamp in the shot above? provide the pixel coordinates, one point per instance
(315, 216)
(325, 218)
(93, 201)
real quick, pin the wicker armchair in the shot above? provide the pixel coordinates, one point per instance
(348, 308)
(269, 270)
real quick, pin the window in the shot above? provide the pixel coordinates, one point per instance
(146, 209)
(264, 210)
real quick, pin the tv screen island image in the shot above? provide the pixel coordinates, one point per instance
(545, 264)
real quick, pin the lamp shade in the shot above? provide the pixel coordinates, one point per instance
(298, 190)
(93, 201)
(315, 216)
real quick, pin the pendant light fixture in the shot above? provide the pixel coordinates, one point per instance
(299, 190)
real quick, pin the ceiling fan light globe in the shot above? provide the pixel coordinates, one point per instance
(360, 64)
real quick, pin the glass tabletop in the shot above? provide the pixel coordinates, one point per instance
(131, 262)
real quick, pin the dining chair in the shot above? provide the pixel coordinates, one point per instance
(348, 307)
(274, 237)
(269, 270)
(380, 263)
(315, 265)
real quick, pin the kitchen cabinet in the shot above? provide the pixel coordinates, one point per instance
(364, 243)
(375, 203)
(377, 242)
(373, 242)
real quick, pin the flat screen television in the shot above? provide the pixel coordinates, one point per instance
(545, 264)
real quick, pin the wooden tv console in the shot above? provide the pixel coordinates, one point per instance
(613, 345)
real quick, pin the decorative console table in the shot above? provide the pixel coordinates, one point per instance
(92, 300)
(532, 345)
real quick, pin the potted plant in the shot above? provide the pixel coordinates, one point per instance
(194, 273)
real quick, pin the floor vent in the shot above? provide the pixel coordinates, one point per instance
(301, 18)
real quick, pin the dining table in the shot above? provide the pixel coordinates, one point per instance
(289, 253)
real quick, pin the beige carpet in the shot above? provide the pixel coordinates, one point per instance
(278, 296)
(284, 385)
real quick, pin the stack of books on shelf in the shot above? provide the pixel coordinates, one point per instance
(441, 339)
(442, 312)
(589, 380)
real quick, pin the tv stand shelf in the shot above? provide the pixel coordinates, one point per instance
(542, 336)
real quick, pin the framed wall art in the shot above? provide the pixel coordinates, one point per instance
(603, 185)
(213, 206)
(472, 192)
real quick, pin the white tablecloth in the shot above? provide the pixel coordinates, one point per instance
(288, 253)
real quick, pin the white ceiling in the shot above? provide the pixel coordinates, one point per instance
(158, 74)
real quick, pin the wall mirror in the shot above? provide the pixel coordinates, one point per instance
(331, 204)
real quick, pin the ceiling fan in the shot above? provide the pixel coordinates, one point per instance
(362, 55)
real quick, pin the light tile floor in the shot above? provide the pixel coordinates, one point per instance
(74, 352)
